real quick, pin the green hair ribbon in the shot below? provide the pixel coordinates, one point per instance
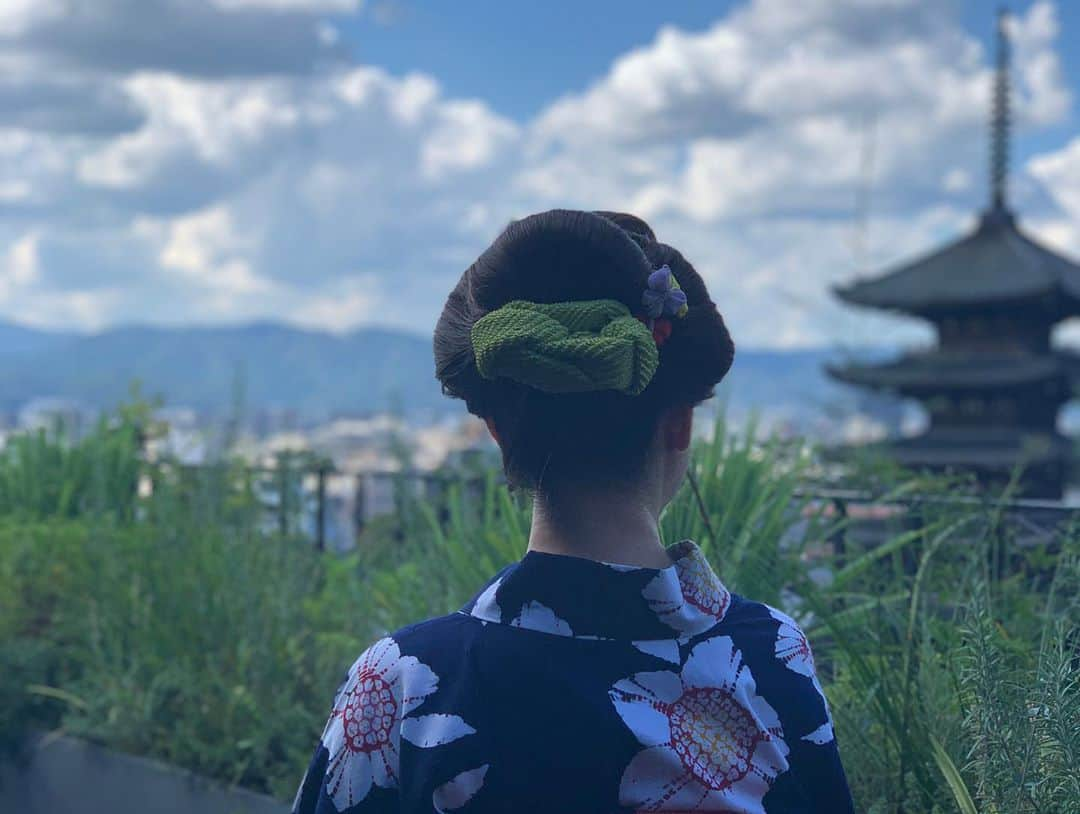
(566, 347)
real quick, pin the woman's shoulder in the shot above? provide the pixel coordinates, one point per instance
(437, 628)
(407, 652)
(750, 617)
(771, 643)
(775, 648)
(769, 635)
(427, 639)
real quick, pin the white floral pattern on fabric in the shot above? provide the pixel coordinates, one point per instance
(710, 740)
(426, 731)
(363, 736)
(822, 735)
(537, 616)
(455, 793)
(666, 649)
(622, 569)
(689, 597)
(793, 649)
(486, 606)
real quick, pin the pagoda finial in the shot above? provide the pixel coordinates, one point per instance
(1000, 120)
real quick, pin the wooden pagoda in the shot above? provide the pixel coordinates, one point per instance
(993, 383)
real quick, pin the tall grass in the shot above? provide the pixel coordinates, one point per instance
(741, 504)
(176, 627)
(46, 474)
(179, 625)
(1021, 703)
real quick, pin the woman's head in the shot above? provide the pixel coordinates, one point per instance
(553, 441)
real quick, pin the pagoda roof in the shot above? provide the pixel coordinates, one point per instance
(945, 370)
(995, 263)
(986, 448)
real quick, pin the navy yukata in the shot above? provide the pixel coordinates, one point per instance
(569, 685)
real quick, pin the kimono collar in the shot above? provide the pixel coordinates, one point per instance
(572, 596)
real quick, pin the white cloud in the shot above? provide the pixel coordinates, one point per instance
(205, 247)
(21, 294)
(1059, 172)
(17, 16)
(277, 197)
(192, 122)
(956, 180)
(260, 175)
(20, 268)
(467, 136)
(66, 104)
(772, 108)
(1032, 38)
(348, 302)
(338, 6)
(750, 145)
(209, 38)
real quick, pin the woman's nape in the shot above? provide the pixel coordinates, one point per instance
(613, 521)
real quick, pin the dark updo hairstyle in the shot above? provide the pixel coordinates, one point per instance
(569, 440)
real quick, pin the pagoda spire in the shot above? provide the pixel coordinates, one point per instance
(1000, 120)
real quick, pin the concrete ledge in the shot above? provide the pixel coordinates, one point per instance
(64, 775)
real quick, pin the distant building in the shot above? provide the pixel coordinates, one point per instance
(54, 415)
(993, 385)
(182, 439)
(270, 420)
(375, 464)
(362, 444)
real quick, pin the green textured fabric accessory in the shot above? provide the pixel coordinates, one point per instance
(566, 347)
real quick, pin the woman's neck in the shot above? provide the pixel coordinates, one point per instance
(616, 528)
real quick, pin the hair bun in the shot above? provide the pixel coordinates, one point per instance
(559, 256)
(560, 409)
(631, 224)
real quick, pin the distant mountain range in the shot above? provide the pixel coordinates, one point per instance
(18, 339)
(270, 365)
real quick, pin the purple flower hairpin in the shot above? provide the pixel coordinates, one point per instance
(664, 297)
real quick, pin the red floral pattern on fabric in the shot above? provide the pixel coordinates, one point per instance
(688, 597)
(369, 713)
(709, 741)
(794, 650)
(713, 736)
(701, 587)
(371, 716)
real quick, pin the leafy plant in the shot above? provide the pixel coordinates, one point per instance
(186, 622)
(46, 474)
(741, 504)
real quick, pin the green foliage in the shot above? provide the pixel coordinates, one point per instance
(42, 476)
(740, 503)
(175, 642)
(177, 627)
(1022, 704)
(183, 625)
(449, 549)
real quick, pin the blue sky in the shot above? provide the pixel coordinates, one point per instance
(334, 164)
(491, 50)
(519, 57)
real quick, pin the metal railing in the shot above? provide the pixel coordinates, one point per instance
(298, 496)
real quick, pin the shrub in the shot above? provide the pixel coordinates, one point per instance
(182, 626)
